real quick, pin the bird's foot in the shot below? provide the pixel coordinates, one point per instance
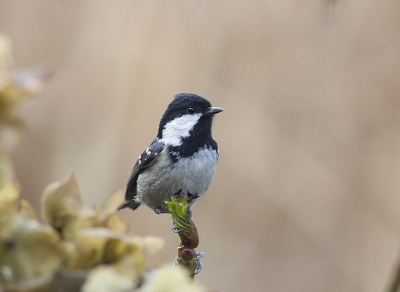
(161, 211)
(174, 229)
(200, 254)
(199, 267)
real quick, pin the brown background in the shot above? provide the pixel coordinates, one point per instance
(306, 196)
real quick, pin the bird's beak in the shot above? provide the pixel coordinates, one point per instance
(214, 110)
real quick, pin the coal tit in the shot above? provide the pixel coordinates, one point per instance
(183, 156)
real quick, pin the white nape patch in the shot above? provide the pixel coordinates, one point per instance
(178, 128)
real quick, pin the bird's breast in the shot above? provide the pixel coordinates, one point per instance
(192, 174)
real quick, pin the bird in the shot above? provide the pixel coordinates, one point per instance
(183, 156)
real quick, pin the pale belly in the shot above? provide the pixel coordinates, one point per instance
(157, 184)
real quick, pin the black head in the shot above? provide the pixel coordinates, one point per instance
(187, 107)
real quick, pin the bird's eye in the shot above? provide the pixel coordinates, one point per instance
(191, 110)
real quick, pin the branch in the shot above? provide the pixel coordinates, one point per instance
(179, 207)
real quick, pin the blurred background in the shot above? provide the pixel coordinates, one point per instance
(306, 196)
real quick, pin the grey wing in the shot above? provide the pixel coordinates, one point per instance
(144, 161)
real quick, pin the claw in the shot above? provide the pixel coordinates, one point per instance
(199, 267)
(200, 254)
(175, 262)
(174, 229)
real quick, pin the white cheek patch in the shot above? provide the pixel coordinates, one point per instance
(178, 128)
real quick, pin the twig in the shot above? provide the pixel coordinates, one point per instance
(179, 207)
